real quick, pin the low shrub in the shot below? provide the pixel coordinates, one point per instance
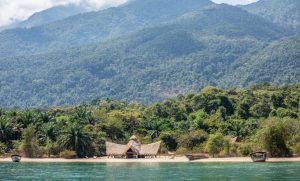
(245, 149)
(181, 151)
(296, 145)
(2, 148)
(68, 154)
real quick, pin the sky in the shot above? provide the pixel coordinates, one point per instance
(235, 2)
(18, 10)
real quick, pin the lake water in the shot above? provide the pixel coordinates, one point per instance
(149, 171)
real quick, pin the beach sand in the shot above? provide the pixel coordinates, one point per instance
(162, 159)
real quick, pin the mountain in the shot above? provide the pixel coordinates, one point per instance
(283, 12)
(49, 15)
(185, 54)
(95, 26)
(52, 14)
(278, 62)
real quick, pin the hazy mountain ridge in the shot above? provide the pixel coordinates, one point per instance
(95, 26)
(48, 16)
(53, 14)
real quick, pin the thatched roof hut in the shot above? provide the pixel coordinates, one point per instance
(132, 149)
(150, 149)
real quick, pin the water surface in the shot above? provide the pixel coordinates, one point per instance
(149, 171)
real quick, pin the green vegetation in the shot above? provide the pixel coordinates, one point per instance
(283, 12)
(145, 54)
(217, 46)
(149, 51)
(214, 144)
(68, 154)
(95, 26)
(29, 145)
(229, 122)
(275, 135)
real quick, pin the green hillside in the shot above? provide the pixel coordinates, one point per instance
(184, 55)
(283, 12)
(279, 62)
(95, 26)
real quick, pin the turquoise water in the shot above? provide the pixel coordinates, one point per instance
(150, 171)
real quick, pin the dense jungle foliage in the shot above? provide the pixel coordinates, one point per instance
(229, 122)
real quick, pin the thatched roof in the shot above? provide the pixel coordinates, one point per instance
(133, 137)
(113, 149)
(150, 149)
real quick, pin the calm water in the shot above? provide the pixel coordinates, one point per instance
(150, 171)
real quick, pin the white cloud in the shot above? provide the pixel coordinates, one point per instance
(235, 2)
(104, 3)
(11, 10)
(16, 10)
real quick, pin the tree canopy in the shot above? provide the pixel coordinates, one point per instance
(263, 117)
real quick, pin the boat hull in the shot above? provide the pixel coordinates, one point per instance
(259, 156)
(16, 158)
(259, 160)
(192, 157)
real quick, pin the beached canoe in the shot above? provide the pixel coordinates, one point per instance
(192, 157)
(16, 158)
(259, 156)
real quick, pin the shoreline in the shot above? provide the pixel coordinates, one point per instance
(163, 159)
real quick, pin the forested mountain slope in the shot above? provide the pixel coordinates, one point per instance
(279, 62)
(186, 54)
(95, 26)
(283, 12)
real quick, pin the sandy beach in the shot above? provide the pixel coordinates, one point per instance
(162, 159)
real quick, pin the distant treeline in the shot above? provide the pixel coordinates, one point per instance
(231, 122)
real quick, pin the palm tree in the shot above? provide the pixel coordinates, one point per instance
(83, 115)
(5, 130)
(48, 131)
(47, 137)
(74, 137)
(27, 118)
(44, 117)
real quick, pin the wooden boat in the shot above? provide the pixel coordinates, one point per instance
(259, 156)
(16, 158)
(192, 157)
(172, 155)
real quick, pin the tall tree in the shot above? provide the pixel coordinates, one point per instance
(214, 144)
(29, 144)
(75, 138)
(5, 130)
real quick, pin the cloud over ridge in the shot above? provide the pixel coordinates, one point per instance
(18, 10)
